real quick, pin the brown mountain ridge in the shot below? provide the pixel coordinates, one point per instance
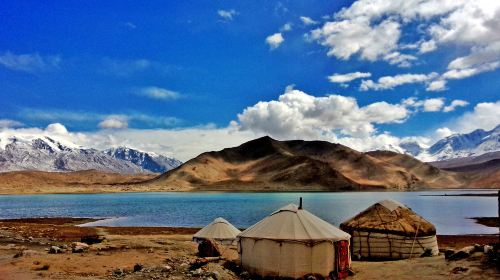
(265, 164)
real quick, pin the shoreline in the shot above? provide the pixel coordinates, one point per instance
(264, 191)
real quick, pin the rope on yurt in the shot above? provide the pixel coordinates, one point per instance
(414, 239)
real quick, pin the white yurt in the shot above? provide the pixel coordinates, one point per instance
(218, 230)
(292, 242)
(390, 230)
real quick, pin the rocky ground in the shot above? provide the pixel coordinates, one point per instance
(53, 249)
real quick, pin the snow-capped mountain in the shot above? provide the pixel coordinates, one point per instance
(44, 153)
(147, 161)
(476, 143)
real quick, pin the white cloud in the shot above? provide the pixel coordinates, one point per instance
(443, 132)
(345, 38)
(426, 105)
(31, 63)
(399, 59)
(390, 82)
(307, 20)
(114, 122)
(485, 115)
(130, 25)
(298, 115)
(436, 85)
(433, 104)
(227, 14)
(92, 118)
(275, 40)
(286, 27)
(455, 104)
(6, 123)
(373, 29)
(427, 46)
(56, 128)
(159, 93)
(348, 77)
(125, 67)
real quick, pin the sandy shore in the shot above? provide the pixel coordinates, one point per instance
(168, 253)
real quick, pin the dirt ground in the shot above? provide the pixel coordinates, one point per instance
(169, 253)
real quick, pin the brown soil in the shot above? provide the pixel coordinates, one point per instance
(169, 253)
(89, 181)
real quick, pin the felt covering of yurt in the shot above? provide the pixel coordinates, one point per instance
(219, 230)
(390, 230)
(291, 242)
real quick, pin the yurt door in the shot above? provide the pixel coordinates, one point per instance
(342, 258)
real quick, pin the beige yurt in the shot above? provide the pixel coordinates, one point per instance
(292, 242)
(218, 230)
(390, 230)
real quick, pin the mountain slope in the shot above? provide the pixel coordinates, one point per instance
(268, 164)
(43, 153)
(147, 161)
(476, 143)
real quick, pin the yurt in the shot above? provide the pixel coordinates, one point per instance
(219, 230)
(390, 230)
(292, 242)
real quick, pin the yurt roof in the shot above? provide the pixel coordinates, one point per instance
(389, 216)
(294, 224)
(218, 229)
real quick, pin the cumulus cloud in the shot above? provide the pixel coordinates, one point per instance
(485, 115)
(437, 85)
(373, 30)
(443, 132)
(227, 14)
(159, 93)
(56, 128)
(114, 122)
(275, 40)
(390, 82)
(345, 38)
(455, 104)
(348, 77)
(307, 20)
(31, 63)
(433, 104)
(298, 114)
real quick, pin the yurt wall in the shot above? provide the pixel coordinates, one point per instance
(391, 246)
(287, 258)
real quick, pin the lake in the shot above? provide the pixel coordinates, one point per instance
(449, 213)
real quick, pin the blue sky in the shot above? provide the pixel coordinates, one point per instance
(113, 67)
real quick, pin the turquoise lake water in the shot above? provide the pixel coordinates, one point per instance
(450, 214)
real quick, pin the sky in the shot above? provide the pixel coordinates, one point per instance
(183, 77)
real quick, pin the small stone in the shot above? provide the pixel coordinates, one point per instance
(448, 253)
(79, 247)
(118, 272)
(216, 275)
(55, 250)
(138, 267)
(244, 275)
(488, 249)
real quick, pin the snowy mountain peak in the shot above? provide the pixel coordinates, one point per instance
(48, 153)
(475, 143)
(149, 161)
